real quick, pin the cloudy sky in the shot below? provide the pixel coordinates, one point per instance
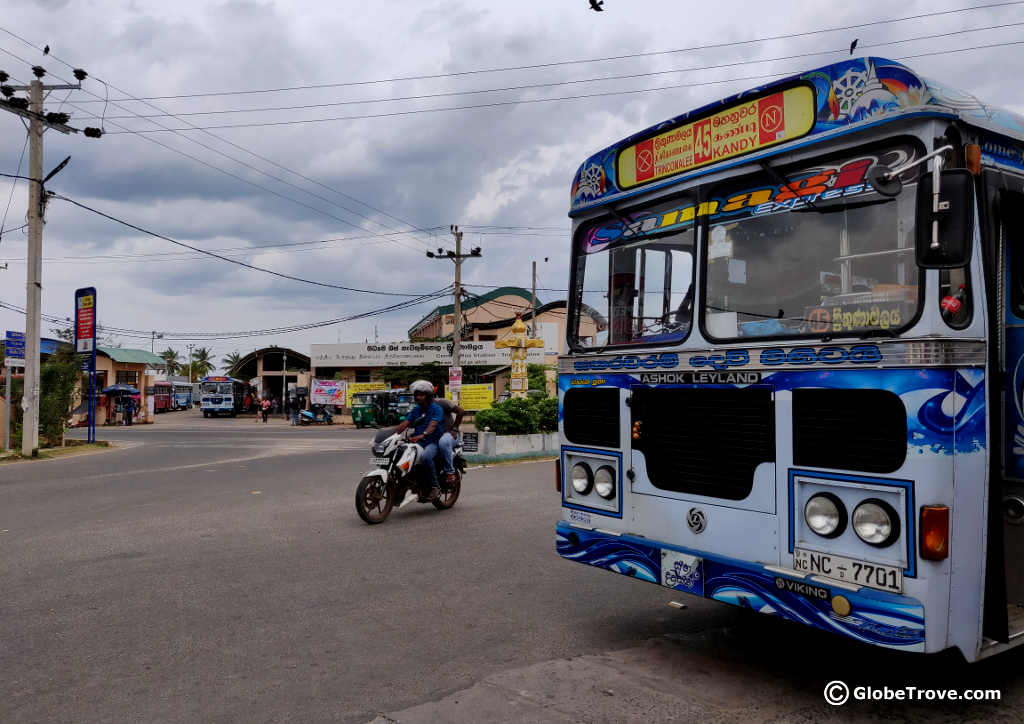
(356, 201)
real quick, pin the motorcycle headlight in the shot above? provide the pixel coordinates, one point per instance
(604, 482)
(876, 523)
(582, 478)
(825, 514)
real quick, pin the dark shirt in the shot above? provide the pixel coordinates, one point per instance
(448, 408)
(419, 418)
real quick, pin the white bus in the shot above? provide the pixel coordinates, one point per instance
(803, 391)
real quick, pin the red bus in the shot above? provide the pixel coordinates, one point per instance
(163, 396)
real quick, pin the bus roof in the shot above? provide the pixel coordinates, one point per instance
(222, 379)
(779, 116)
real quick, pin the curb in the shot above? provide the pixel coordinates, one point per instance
(483, 461)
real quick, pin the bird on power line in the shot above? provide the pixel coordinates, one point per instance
(596, 5)
(853, 45)
(46, 50)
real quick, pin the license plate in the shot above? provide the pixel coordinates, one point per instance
(848, 570)
(382, 462)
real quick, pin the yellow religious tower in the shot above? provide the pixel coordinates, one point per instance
(517, 344)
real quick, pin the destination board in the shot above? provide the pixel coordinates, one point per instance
(731, 132)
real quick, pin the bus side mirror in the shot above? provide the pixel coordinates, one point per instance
(944, 225)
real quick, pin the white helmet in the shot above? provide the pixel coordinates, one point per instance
(422, 386)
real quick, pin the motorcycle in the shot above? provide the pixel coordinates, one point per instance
(320, 416)
(398, 475)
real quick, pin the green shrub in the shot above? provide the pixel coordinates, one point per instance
(547, 413)
(520, 416)
(57, 382)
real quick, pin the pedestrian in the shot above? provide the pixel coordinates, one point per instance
(265, 409)
(295, 410)
(129, 406)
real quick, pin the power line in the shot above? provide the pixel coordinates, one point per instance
(553, 64)
(241, 148)
(229, 259)
(524, 101)
(552, 84)
(14, 183)
(214, 336)
(232, 158)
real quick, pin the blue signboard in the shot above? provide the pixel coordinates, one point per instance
(14, 344)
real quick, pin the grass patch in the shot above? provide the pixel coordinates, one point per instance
(71, 447)
(510, 458)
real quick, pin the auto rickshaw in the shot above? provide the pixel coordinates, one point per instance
(366, 411)
(399, 404)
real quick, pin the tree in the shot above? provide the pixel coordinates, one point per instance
(202, 362)
(229, 361)
(173, 360)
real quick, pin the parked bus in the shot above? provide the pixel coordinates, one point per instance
(797, 359)
(222, 396)
(163, 396)
(182, 395)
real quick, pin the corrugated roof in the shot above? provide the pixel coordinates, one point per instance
(136, 356)
(474, 301)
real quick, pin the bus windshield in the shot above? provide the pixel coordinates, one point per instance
(217, 388)
(815, 251)
(837, 266)
(633, 290)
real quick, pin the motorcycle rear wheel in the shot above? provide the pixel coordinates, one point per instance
(449, 493)
(374, 499)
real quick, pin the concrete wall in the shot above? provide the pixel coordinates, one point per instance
(492, 444)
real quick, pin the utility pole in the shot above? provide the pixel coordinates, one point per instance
(533, 303)
(456, 256)
(190, 363)
(31, 109)
(152, 342)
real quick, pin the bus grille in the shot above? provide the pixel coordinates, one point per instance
(591, 417)
(864, 430)
(705, 441)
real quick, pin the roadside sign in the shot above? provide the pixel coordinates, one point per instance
(85, 346)
(454, 377)
(470, 441)
(85, 320)
(14, 361)
(14, 344)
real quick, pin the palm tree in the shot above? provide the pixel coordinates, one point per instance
(229, 361)
(173, 360)
(202, 362)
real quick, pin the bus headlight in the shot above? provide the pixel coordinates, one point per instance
(876, 523)
(825, 515)
(604, 482)
(582, 478)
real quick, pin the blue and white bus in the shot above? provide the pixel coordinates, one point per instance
(222, 396)
(803, 391)
(182, 395)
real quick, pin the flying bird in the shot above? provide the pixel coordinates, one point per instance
(596, 5)
(853, 45)
(46, 50)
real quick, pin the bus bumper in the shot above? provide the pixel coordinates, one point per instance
(874, 617)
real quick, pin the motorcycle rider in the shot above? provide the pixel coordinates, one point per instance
(426, 419)
(453, 415)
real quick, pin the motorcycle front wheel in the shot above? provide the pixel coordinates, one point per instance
(374, 499)
(449, 493)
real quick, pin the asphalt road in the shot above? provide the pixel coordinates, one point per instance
(216, 571)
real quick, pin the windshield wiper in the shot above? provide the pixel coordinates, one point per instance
(779, 177)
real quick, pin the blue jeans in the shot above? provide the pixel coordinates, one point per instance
(427, 458)
(447, 445)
